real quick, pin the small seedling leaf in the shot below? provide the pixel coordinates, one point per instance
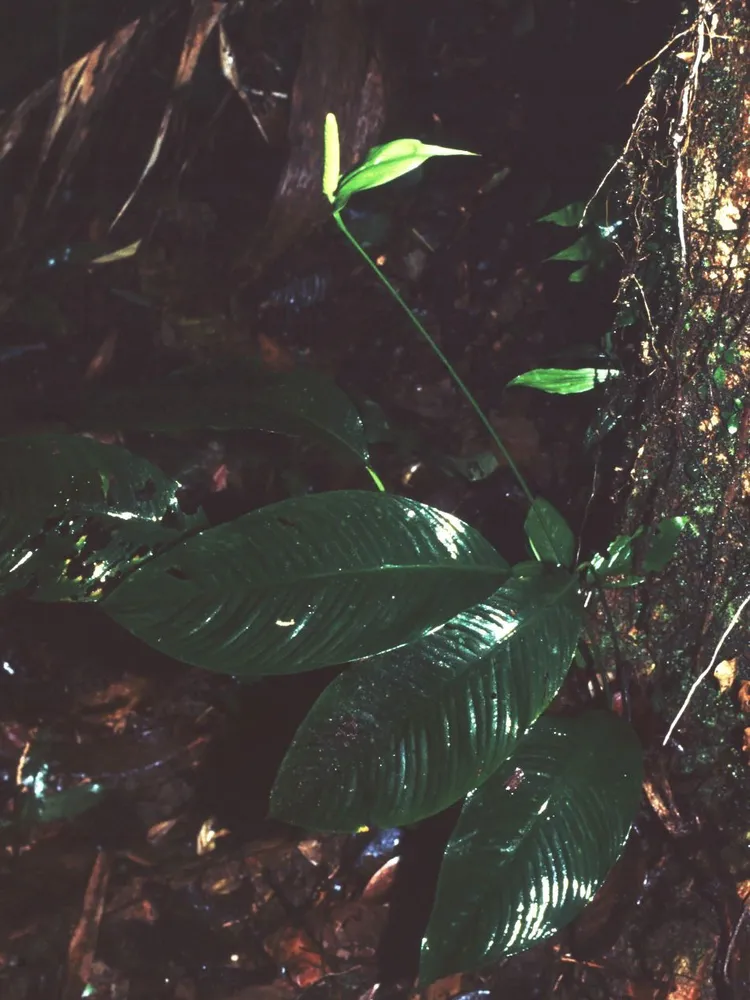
(564, 381)
(388, 162)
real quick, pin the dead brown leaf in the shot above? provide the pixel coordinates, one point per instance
(205, 14)
(83, 942)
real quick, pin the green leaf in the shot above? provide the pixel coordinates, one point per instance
(564, 381)
(619, 557)
(569, 216)
(79, 555)
(535, 842)
(297, 403)
(385, 163)
(50, 790)
(585, 248)
(621, 562)
(548, 533)
(401, 736)
(308, 582)
(75, 514)
(578, 276)
(663, 543)
(43, 803)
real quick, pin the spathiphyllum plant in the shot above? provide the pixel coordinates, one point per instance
(454, 655)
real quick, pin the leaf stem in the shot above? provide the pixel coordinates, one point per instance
(449, 367)
(376, 479)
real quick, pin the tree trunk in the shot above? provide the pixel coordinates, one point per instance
(684, 326)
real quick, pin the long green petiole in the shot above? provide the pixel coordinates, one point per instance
(435, 347)
(381, 165)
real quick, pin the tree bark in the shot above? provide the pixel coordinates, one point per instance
(684, 328)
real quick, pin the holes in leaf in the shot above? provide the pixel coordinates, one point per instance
(98, 590)
(77, 569)
(515, 780)
(62, 526)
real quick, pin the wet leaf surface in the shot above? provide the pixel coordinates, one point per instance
(308, 583)
(534, 842)
(423, 725)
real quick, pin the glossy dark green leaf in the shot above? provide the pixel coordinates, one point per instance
(308, 582)
(564, 381)
(617, 570)
(401, 736)
(622, 566)
(297, 403)
(619, 557)
(74, 514)
(535, 842)
(78, 557)
(548, 533)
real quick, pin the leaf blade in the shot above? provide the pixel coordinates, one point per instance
(535, 842)
(564, 381)
(549, 535)
(57, 491)
(388, 162)
(299, 403)
(308, 582)
(401, 736)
